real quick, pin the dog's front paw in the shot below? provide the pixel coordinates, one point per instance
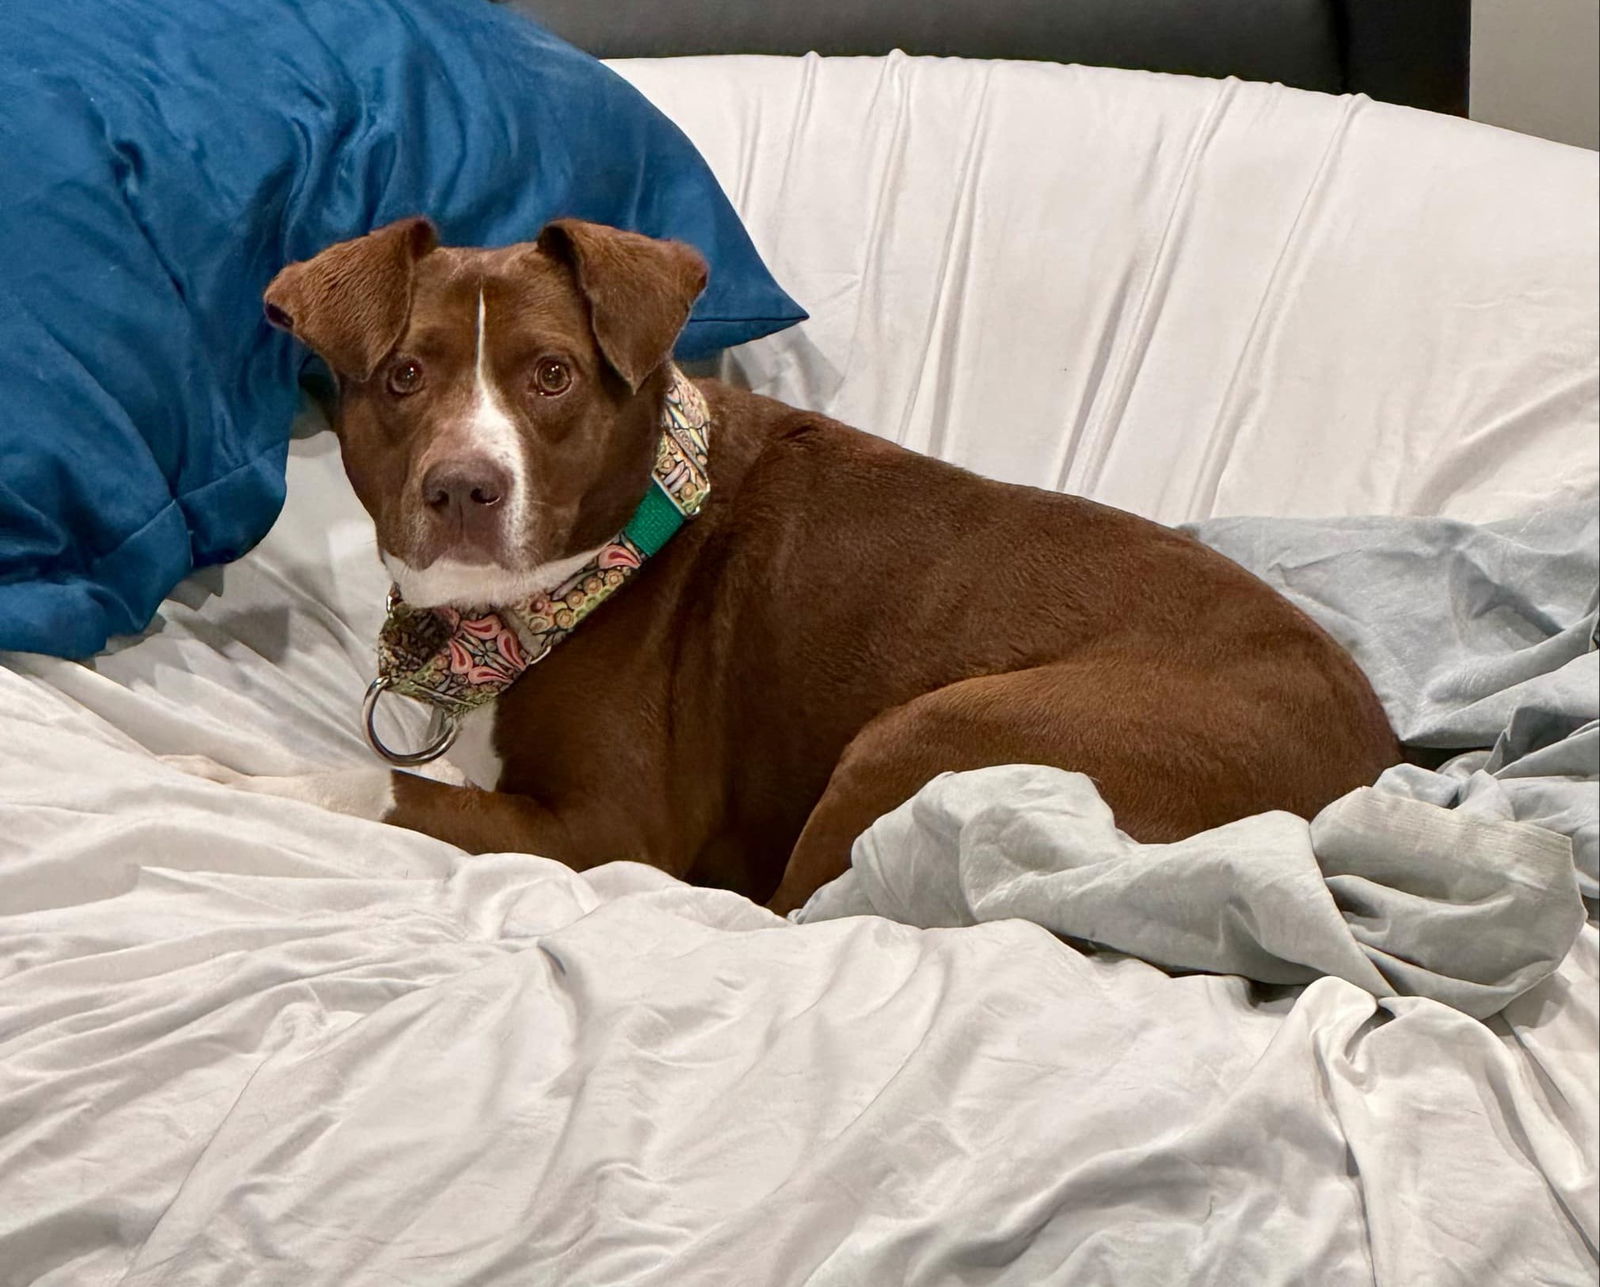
(361, 793)
(203, 766)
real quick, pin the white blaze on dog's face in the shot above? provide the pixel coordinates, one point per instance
(498, 409)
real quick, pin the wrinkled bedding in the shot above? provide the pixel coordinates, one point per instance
(1184, 297)
(246, 1040)
(239, 1031)
(1462, 885)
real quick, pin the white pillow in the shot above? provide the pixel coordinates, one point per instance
(1185, 297)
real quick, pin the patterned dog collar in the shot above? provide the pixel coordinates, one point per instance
(459, 659)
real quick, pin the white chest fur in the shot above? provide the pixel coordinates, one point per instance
(473, 750)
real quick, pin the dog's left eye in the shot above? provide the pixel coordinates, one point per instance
(551, 376)
(405, 377)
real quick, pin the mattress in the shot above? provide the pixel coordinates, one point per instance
(244, 1039)
(1184, 297)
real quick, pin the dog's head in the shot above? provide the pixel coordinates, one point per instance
(498, 409)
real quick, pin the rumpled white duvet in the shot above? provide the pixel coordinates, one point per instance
(243, 1040)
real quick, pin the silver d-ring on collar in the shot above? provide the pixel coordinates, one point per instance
(442, 729)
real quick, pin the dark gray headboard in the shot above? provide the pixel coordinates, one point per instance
(1401, 51)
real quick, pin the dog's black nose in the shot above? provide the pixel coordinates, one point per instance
(464, 486)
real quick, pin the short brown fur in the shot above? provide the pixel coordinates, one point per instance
(847, 619)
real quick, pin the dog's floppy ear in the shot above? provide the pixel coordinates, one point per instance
(639, 290)
(351, 302)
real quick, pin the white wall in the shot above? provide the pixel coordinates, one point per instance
(1536, 67)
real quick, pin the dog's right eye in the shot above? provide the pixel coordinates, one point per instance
(405, 377)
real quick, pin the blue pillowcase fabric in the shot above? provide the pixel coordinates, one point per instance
(165, 158)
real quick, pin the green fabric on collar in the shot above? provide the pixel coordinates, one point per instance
(654, 523)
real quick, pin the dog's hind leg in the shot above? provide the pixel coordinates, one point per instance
(1173, 748)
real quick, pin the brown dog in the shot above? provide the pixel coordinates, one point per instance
(843, 621)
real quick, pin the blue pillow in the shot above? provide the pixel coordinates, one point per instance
(164, 158)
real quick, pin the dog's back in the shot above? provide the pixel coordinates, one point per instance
(1060, 631)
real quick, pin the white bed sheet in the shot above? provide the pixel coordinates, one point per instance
(242, 1039)
(246, 1040)
(1184, 297)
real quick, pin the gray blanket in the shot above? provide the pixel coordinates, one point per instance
(1461, 884)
